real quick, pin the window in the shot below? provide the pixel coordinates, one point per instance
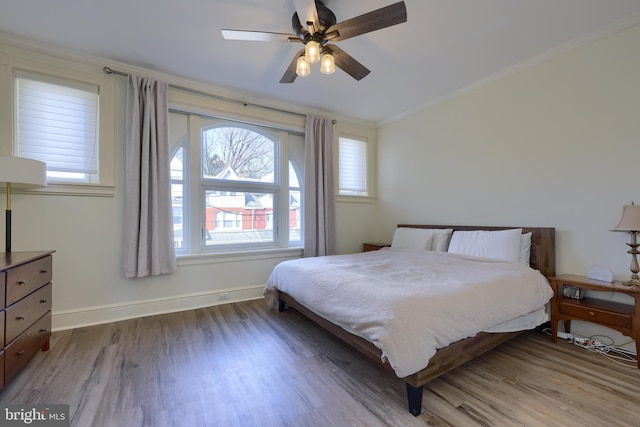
(57, 123)
(177, 191)
(352, 166)
(235, 186)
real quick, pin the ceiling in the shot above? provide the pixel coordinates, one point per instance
(444, 47)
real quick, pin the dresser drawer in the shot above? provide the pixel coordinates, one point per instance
(2, 342)
(596, 314)
(24, 279)
(3, 277)
(2, 370)
(22, 314)
(18, 353)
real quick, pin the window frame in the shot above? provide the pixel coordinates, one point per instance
(26, 77)
(196, 186)
(66, 70)
(369, 168)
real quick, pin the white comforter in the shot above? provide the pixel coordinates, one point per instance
(410, 303)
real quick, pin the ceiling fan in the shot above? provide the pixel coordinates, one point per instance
(315, 26)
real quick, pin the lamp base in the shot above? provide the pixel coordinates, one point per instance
(7, 230)
(632, 282)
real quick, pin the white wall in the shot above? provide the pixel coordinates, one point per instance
(86, 232)
(556, 144)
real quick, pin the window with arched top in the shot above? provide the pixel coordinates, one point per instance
(235, 186)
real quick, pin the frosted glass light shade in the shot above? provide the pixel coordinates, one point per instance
(302, 67)
(312, 52)
(22, 173)
(327, 66)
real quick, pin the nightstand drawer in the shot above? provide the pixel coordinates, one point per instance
(24, 279)
(18, 353)
(22, 314)
(596, 314)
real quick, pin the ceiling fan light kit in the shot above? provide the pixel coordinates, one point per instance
(302, 67)
(312, 51)
(320, 27)
(327, 64)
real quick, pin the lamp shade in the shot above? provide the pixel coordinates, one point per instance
(630, 219)
(22, 172)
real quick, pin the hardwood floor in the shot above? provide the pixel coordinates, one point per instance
(244, 365)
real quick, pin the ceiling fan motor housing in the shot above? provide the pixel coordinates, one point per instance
(325, 30)
(326, 19)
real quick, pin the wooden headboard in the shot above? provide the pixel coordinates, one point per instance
(543, 243)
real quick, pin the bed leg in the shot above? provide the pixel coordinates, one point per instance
(414, 396)
(281, 306)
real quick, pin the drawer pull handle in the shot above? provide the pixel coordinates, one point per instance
(591, 314)
(43, 301)
(19, 317)
(20, 353)
(44, 330)
(44, 271)
(22, 283)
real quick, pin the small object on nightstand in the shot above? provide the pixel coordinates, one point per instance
(572, 292)
(366, 247)
(600, 272)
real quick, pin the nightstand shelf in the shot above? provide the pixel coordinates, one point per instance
(624, 318)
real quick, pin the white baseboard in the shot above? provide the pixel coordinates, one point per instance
(89, 316)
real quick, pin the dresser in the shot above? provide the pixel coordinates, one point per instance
(25, 316)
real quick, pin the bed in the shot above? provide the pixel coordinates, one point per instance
(359, 298)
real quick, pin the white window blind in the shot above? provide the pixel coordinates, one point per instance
(57, 123)
(352, 166)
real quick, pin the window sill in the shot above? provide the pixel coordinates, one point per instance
(92, 190)
(355, 199)
(229, 257)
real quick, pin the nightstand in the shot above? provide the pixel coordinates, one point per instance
(621, 317)
(366, 247)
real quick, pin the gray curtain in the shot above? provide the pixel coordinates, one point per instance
(148, 226)
(319, 191)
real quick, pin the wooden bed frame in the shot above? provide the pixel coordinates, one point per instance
(458, 353)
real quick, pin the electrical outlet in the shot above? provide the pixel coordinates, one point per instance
(223, 297)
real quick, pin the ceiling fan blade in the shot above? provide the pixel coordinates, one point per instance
(290, 75)
(381, 18)
(345, 62)
(307, 12)
(259, 36)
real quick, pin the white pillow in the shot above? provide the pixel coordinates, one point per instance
(503, 244)
(441, 238)
(412, 238)
(525, 249)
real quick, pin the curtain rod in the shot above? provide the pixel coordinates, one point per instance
(108, 70)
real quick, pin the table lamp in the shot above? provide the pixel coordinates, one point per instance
(630, 223)
(18, 172)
